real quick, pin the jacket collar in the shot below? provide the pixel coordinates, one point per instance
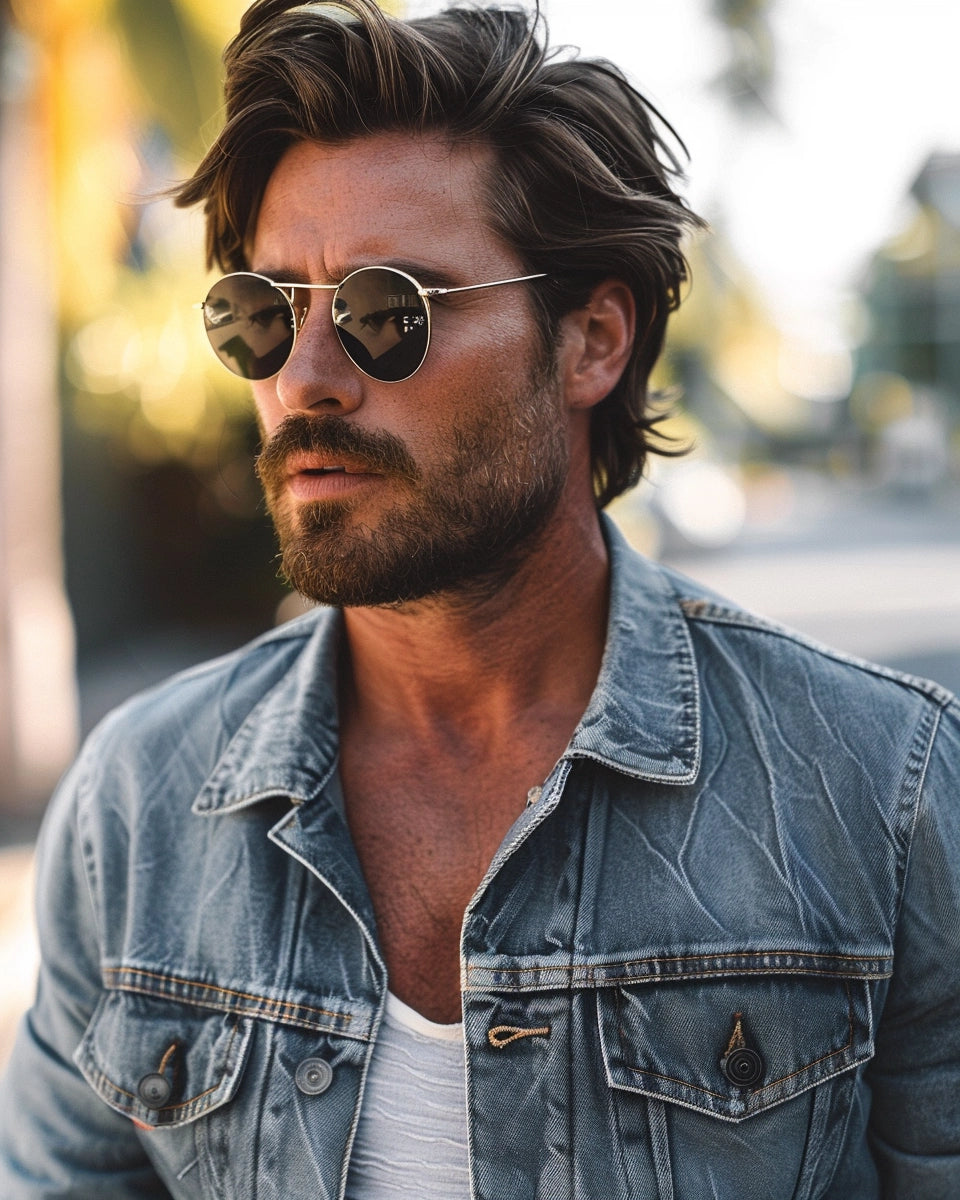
(644, 715)
(288, 743)
(643, 718)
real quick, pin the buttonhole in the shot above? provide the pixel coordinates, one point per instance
(503, 1035)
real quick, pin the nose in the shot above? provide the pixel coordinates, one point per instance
(318, 376)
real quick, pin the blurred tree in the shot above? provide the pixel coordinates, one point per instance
(129, 93)
(37, 697)
(163, 522)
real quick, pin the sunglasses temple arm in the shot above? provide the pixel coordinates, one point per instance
(473, 287)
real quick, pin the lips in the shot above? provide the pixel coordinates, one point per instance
(319, 477)
(320, 465)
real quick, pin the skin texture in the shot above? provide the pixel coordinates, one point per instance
(453, 704)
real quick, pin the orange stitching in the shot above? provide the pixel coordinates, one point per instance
(631, 962)
(833, 1053)
(514, 1032)
(212, 987)
(167, 1108)
(654, 977)
(231, 1008)
(692, 1087)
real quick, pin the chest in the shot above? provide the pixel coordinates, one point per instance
(425, 832)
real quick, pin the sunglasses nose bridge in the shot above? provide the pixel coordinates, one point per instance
(299, 300)
(316, 376)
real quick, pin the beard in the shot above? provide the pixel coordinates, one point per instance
(463, 527)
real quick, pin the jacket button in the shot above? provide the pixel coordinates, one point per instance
(314, 1075)
(154, 1090)
(743, 1067)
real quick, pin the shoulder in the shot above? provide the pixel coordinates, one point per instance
(133, 789)
(841, 744)
(775, 652)
(706, 682)
(728, 642)
(890, 737)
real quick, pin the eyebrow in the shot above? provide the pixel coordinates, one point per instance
(426, 276)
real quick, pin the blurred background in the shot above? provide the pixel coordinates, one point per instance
(816, 360)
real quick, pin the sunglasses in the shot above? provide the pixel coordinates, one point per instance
(381, 316)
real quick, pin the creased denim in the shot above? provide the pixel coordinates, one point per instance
(719, 957)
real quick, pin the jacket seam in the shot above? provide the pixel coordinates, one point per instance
(738, 954)
(85, 846)
(918, 798)
(266, 1002)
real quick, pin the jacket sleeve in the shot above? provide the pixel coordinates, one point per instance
(57, 1138)
(915, 1075)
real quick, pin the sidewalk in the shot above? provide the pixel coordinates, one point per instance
(18, 947)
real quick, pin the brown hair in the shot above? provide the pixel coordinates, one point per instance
(582, 188)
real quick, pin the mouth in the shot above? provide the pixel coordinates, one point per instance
(319, 465)
(307, 479)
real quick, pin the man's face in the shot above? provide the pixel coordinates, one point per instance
(389, 492)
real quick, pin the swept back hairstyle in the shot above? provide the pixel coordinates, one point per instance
(582, 187)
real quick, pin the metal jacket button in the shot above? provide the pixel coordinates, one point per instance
(154, 1090)
(314, 1075)
(743, 1067)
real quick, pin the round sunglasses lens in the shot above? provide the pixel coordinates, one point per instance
(381, 320)
(250, 325)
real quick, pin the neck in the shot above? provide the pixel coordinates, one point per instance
(470, 669)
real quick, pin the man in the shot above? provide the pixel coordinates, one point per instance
(520, 867)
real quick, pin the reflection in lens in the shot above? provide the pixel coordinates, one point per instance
(250, 325)
(341, 310)
(388, 330)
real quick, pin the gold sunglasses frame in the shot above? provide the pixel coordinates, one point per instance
(299, 312)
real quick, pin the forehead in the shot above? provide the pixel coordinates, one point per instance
(327, 208)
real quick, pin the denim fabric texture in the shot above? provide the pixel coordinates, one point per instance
(719, 957)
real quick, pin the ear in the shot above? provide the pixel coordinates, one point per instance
(596, 342)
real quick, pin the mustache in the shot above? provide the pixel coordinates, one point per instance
(380, 452)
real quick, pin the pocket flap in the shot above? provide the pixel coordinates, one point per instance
(161, 1062)
(737, 1046)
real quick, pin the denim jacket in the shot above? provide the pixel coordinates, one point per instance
(718, 957)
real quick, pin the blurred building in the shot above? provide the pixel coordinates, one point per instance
(906, 399)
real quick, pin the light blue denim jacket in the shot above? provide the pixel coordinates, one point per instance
(719, 957)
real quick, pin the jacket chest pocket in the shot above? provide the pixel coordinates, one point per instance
(733, 1048)
(748, 1080)
(165, 1064)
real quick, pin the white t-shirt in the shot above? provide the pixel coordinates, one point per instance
(412, 1136)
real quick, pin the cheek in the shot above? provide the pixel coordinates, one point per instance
(267, 408)
(492, 340)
